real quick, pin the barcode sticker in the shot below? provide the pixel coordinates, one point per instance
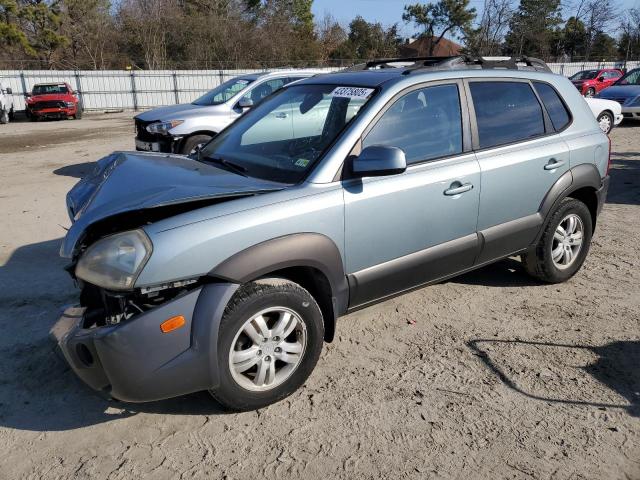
(351, 92)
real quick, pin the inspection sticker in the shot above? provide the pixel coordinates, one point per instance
(302, 162)
(351, 92)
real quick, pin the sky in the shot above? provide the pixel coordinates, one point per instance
(389, 12)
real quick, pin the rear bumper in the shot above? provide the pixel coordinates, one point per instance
(602, 193)
(134, 361)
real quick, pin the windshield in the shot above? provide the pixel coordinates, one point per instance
(631, 78)
(585, 75)
(223, 92)
(285, 135)
(49, 89)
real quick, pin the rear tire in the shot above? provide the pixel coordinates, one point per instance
(190, 144)
(558, 256)
(287, 351)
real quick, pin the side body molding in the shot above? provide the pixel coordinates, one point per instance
(296, 250)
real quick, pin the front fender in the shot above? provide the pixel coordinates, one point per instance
(296, 250)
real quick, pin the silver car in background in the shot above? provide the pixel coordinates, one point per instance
(185, 127)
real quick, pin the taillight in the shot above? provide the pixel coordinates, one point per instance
(609, 160)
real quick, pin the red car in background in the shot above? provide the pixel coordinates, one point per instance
(52, 100)
(590, 82)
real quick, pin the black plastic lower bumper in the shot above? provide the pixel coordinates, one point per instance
(135, 361)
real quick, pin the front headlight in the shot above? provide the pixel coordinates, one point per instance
(115, 262)
(70, 104)
(163, 127)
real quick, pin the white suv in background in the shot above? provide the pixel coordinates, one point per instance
(6, 104)
(185, 127)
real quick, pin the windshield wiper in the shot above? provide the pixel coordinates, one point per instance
(227, 164)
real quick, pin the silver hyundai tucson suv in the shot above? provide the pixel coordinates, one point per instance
(184, 128)
(226, 270)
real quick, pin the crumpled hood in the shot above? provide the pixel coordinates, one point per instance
(170, 112)
(130, 181)
(620, 91)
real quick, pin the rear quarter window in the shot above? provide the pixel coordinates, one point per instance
(556, 108)
(506, 112)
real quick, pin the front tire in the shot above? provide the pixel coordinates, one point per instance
(564, 244)
(605, 122)
(191, 144)
(590, 93)
(269, 341)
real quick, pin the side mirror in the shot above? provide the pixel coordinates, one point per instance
(601, 79)
(245, 102)
(9, 91)
(378, 161)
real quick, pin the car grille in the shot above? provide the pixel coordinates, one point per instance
(48, 104)
(141, 131)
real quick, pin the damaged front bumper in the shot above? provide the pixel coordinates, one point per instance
(135, 361)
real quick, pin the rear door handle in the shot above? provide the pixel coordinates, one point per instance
(457, 188)
(553, 164)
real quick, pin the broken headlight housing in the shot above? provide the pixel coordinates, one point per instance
(114, 262)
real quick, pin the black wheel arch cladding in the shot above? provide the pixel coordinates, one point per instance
(286, 253)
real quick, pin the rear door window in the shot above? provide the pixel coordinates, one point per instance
(265, 89)
(555, 107)
(506, 112)
(425, 124)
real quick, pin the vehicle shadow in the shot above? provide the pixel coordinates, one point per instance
(624, 186)
(617, 367)
(38, 391)
(77, 170)
(505, 273)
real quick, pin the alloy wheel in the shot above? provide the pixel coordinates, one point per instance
(605, 123)
(567, 241)
(267, 349)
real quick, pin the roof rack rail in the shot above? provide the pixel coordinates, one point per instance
(456, 62)
(388, 62)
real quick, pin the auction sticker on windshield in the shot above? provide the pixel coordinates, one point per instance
(351, 92)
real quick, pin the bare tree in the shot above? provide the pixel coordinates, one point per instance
(487, 38)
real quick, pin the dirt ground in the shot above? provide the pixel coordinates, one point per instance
(489, 375)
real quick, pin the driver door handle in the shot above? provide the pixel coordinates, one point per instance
(281, 115)
(457, 188)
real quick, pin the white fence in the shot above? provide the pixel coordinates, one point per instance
(122, 89)
(568, 69)
(140, 89)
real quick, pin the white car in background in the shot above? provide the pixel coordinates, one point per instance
(607, 112)
(6, 104)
